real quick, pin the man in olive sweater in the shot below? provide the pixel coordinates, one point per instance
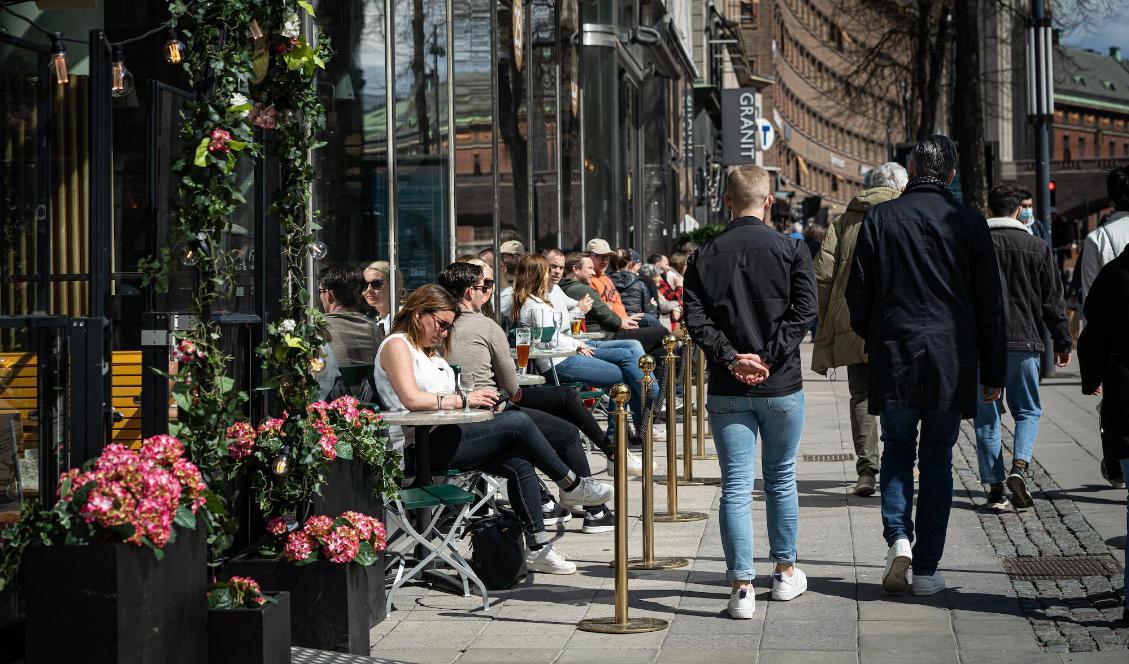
(579, 272)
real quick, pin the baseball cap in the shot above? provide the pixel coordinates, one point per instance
(635, 258)
(598, 247)
(512, 247)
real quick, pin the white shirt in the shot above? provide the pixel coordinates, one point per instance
(535, 312)
(1102, 245)
(505, 302)
(432, 374)
(562, 302)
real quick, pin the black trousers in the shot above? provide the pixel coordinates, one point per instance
(565, 403)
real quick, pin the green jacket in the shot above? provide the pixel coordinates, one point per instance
(836, 344)
(600, 317)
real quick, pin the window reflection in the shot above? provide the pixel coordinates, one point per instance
(543, 157)
(513, 122)
(474, 133)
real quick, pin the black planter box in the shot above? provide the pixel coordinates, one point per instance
(349, 488)
(117, 603)
(329, 603)
(251, 636)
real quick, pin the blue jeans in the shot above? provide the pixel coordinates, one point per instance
(939, 430)
(735, 422)
(1125, 588)
(1022, 394)
(614, 362)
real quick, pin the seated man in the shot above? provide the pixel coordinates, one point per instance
(479, 346)
(603, 316)
(354, 338)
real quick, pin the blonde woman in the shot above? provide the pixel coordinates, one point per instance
(597, 363)
(411, 375)
(376, 291)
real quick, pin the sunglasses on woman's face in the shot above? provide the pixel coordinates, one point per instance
(375, 285)
(444, 326)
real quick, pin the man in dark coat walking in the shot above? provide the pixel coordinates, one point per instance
(924, 295)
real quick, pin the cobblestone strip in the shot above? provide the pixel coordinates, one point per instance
(1074, 615)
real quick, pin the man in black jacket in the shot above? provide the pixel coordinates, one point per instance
(750, 299)
(1032, 296)
(924, 295)
(1104, 361)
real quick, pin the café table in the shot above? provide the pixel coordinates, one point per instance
(422, 421)
(535, 354)
(591, 336)
(529, 380)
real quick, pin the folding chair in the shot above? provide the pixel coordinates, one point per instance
(440, 536)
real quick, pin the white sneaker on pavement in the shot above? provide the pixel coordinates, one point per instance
(548, 560)
(742, 603)
(785, 588)
(895, 577)
(587, 492)
(928, 585)
(634, 465)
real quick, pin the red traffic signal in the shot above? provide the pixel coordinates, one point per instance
(1051, 185)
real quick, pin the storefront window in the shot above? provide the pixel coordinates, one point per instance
(474, 128)
(544, 157)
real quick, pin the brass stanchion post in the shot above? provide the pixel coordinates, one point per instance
(687, 478)
(671, 479)
(620, 623)
(648, 560)
(701, 410)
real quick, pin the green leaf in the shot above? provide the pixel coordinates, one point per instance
(201, 159)
(236, 145)
(304, 4)
(345, 451)
(366, 555)
(185, 518)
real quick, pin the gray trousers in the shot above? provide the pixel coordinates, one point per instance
(864, 426)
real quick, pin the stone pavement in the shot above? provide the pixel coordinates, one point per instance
(844, 616)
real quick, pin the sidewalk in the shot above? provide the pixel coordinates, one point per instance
(845, 616)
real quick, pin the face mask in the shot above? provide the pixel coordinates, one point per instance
(1026, 215)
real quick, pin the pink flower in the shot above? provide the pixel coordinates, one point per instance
(162, 448)
(241, 440)
(277, 526)
(261, 117)
(186, 352)
(318, 526)
(219, 139)
(299, 546)
(339, 547)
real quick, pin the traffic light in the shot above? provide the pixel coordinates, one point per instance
(1051, 187)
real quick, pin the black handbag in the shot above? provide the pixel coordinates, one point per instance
(497, 547)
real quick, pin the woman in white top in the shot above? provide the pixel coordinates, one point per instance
(600, 364)
(411, 375)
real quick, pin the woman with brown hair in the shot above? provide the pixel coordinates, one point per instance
(411, 375)
(597, 363)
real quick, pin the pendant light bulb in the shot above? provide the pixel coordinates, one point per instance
(174, 48)
(121, 80)
(59, 58)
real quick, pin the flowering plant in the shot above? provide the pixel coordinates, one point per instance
(287, 455)
(292, 356)
(238, 592)
(350, 538)
(123, 495)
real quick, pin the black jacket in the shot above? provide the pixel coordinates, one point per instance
(1103, 348)
(751, 290)
(1031, 288)
(634, 294)
(924, 295)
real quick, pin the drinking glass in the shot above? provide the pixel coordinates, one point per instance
(575, 325)
(523, 337)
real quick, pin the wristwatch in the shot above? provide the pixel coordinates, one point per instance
(732, 366)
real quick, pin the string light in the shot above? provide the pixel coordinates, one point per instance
(59, 58)
(121, 80)
(174, 48)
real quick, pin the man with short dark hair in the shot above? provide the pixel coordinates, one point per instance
(1028, 219)
(924, 294)
(354, 337)
(1032, 296)
(577, 283)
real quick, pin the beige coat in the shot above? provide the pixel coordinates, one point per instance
(836, 344)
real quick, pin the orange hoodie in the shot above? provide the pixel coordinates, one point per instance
(603, 285)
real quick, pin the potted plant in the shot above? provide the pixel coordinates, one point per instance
(246, 626)
(118, 564)
(322, 564)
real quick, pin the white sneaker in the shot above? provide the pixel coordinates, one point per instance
(588, 492)
(658, 432)
(928, 585)
(634, 465)
(785, 588)
(742, 603)
(548, 560)
(895, 578)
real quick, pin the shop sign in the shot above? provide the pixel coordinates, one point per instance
(688, 126)
(739, 126)
(518, 25)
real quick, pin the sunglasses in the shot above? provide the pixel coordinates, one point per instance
(487, 284)
(375, 285)
(444, 326)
